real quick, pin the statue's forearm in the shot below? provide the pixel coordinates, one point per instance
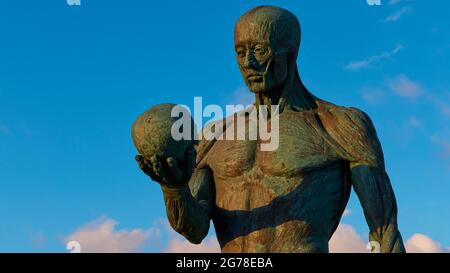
(377, 198)
(186, 215)
(389, 238)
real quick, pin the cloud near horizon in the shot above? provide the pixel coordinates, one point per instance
(177, 245)
(420, 243)
(101, 235)
(345, 240)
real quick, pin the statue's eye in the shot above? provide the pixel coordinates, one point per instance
(260, 50)
(240, 52)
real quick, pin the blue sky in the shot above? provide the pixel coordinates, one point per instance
(74, 78)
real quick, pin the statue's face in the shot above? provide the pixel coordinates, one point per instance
(266, 40)
(262, 67)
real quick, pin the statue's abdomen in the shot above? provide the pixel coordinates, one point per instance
(275, 214)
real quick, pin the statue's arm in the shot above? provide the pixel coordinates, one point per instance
(357, 136)
(189, 195)
(189, 207)
(375, 193)
(372, 185)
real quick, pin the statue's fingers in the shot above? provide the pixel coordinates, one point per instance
(155, 165)
(147, 168)
(173, 166)
(153, 159)
(148, 162)
(158, 168)
(140, 161)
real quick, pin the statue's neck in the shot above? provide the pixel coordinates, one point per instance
(292, 95)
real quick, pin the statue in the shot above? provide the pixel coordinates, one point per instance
(290, 199)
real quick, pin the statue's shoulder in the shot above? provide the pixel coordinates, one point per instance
(341, 115)
(353, 130)
(342, 112)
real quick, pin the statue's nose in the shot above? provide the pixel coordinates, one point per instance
(250, 61)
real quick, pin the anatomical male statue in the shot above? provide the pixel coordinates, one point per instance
(290, 199)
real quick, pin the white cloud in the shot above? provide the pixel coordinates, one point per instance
(101, 236)
(209, 245)
(394, 17)
(366, 63)
(178, 244)
(346, 240)
(420, 243)
(405, 87)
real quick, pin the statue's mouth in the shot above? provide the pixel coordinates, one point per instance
(255, 78)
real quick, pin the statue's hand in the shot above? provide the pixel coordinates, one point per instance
(165, 171)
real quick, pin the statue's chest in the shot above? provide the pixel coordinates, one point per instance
(301, 147)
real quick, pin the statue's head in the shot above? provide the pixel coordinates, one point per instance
(266, 40)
